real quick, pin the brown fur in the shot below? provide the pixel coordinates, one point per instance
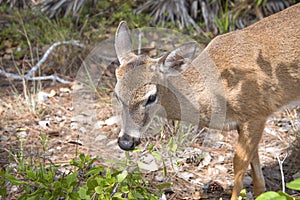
(259, 68)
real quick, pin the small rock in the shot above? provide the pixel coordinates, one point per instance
(112, 120)
(159, 177)
(82, 130)
(247, 181)
(249, 195)
(14, 188)
(112, 143)
(284, 129)
(270, 131)
(221, 168)
(163, 197)
(65, 90)
(206, 160)
(82, 119)
(22, 134)
(42, 96)
(52, 93)
(297, 175)
(6, 57)
(74, 126)
(98, 125)
(100, 137)
(212, 171)
(44, 123)
(148, 162)
(4, 138)
(186, 175)
(220, 159)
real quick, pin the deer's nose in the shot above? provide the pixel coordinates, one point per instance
(127, 142)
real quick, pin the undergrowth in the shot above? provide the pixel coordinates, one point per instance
(39, 178)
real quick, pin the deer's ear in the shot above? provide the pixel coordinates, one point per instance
(177, 60)
(123, 43)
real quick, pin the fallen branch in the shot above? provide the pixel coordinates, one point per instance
(52, 77)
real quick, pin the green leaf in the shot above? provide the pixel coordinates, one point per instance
(30, 174)
(172, 145)
(57, 184)
(71, 178)
(164, 168)
(75, 163)
(87, 158)
(108, 173)
(151, 145)
(294, 185)
(117, 195)
(92, 161)
(3, 192)
(49, 176)
(35, 195)
(243, 193)
(122, 176)
(135, 150)
(136, 194)
(14, 180)
(73, 196)
(288, 197)
(95, 170)
(82, 192)
(164, 185)
(91, 183)
(156, 155)
(82, 157)
(99, 190)
(270, 196)
(124, 189)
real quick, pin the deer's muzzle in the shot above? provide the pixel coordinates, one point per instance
(127, 142)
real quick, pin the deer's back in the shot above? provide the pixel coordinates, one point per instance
(260, 65)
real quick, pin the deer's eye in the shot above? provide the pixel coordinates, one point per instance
(151, 99)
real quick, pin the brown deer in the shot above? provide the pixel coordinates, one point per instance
(259, 71)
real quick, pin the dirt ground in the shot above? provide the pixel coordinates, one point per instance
(200, 167)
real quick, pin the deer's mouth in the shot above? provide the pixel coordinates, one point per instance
(127, 142)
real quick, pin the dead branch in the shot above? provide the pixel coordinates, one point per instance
(53, 77)
(280, 162)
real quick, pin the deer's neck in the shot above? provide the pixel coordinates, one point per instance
(182, 103)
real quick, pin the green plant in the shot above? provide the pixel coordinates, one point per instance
(294, 185)
(223, 22)
(2, 183)
(83, 181)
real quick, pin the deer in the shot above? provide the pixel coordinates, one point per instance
(257, 69)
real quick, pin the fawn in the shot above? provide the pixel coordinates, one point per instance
(257, 70)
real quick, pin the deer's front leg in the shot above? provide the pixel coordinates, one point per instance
(247, 151)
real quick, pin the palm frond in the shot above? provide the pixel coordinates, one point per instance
(62, 7)
(178, 12)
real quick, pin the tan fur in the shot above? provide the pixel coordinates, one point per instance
(260, 71)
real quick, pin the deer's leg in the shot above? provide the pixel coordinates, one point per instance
(257, 175)
(249, 136)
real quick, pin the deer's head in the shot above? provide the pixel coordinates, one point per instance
(138, 78)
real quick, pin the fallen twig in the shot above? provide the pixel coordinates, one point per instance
(280, 162)
(53, 77)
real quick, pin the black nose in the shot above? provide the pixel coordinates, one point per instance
(127, 143)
